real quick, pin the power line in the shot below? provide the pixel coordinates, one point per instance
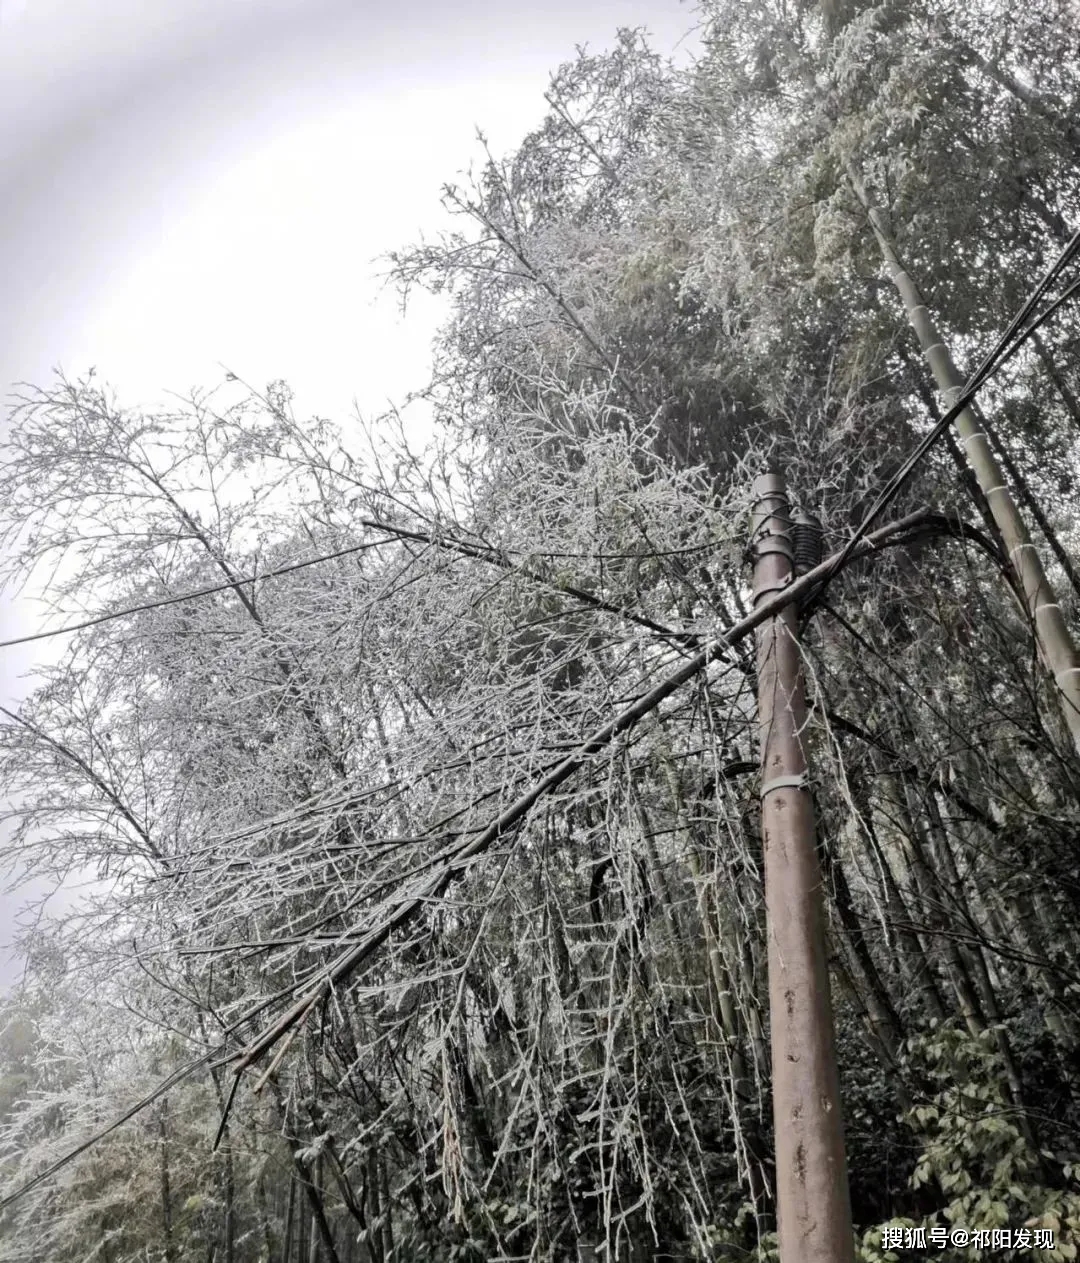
(1002, 351)
(995, 359)
(457, 861)
(485, 552)
(231, 585)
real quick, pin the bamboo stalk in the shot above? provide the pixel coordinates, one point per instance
(1044, 609)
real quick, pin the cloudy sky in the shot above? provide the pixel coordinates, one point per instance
(205, 182)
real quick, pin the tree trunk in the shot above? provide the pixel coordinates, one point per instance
(914, 969)
(1051, 632)
(933, 896)
(387, 1209)
(290, 1220)
(166, 1193)
(724, 1014)
(264, 1214)
(320, 1225)
(1033, 507)
(882, 1018)
(1072, 404)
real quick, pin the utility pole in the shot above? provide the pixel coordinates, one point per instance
(812, 1200)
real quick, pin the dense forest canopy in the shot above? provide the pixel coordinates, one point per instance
(497, 985)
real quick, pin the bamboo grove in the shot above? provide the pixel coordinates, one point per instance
(423, 911)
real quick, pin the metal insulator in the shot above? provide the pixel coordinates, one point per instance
(809, 541)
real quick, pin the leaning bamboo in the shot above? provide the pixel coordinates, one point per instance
(1051, 631)
(455, 861)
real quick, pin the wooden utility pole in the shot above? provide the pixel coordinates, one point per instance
(812, 1200)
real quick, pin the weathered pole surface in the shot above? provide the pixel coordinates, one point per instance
(812, 1199)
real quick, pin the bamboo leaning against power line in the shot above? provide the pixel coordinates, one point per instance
(812, 1198)
(1051, 632)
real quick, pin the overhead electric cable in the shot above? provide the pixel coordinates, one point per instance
(230, 585)
(456, 859)
(995, 359)
(486, 553)
(999, 355)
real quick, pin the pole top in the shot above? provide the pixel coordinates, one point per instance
(770, 483)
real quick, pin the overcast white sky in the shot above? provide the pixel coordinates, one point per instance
(190, 183)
